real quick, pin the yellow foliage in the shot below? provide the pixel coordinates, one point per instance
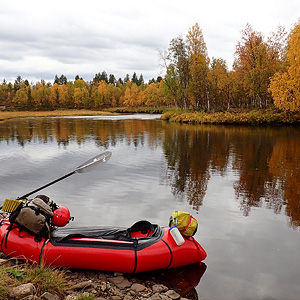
(285, 87)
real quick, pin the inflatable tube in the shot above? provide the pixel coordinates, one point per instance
(142, 247)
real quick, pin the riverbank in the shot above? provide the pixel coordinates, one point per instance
(251, 117)
(5, 115)
(20, 281)
(238, 117)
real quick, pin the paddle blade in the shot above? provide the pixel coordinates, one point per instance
(10, 205)
(94, 162)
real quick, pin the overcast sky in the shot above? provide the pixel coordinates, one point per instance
(40, 39)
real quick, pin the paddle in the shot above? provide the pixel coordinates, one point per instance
(89, 165)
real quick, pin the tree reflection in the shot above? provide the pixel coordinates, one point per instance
(284, 166)
(252, 152)
(188, 159)
(265, 159)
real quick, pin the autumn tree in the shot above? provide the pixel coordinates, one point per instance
(41, 96)
(113, 95)
(198, 68)
(81, 94)
(220, 84)
(131, 97)
(96, 96)
(256, 60)
(59, 96)
(154, 95)
(4, 92)
(21, 98)
(176, 64)
(285, 86)
(102, 92)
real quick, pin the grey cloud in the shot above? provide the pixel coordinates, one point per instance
(73, 38)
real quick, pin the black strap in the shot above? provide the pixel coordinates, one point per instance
(4, 239)
(41, 253)
(135, 261)
(171, 258)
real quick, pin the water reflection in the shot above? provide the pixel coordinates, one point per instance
(183, 280)
(265, 159)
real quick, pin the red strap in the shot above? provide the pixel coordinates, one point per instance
(191, 217)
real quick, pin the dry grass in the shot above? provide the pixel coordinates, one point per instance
(4, 115)
(44, 279)
(246, 117)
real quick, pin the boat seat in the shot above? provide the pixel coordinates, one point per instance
(141, 229)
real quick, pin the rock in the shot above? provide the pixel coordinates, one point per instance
(120, 282)
(172, 294)
(137, 287)
(22, 291)
(164, 297)
(127, 297)
(81, 285)
(70, 297)
(48, 296)
(102, 277)
(86, 295)
(115, 298)
(103, 286)
(3, 261)
(155, 296)
(159, 288)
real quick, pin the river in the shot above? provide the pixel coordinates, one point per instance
(242, 183)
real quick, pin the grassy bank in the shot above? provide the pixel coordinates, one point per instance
(4, 115)
(252, 117)
(44, 279)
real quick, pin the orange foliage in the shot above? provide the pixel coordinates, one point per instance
(285, 87)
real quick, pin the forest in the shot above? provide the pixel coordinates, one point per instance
(265, 74)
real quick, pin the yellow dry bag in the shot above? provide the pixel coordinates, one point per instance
(185, 222)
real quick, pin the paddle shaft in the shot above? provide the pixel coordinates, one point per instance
(88, 165)
(46, 185)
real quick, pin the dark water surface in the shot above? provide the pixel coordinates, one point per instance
(241, 183)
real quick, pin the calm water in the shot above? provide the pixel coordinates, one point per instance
(241, 183)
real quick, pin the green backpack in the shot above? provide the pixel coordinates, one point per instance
(185, 222)
(34, 216)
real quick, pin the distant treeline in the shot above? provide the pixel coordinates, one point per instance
(265, 74)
